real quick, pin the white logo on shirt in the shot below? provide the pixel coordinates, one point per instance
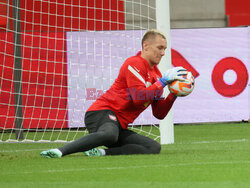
(148, 84)
(137, 69)
(148, 75)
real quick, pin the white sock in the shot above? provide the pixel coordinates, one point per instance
(102, 151)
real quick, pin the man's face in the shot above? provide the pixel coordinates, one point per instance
(155, 49)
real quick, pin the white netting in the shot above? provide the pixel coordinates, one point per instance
(69, 53)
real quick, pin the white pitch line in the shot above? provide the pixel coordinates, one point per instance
(132, 167)
(201, 142)
(218, 141)
(23, 150)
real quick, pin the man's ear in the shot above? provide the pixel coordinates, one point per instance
(145, 45)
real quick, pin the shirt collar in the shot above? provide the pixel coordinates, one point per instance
(144, 60)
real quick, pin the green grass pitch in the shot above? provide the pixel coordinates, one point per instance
(209, 155)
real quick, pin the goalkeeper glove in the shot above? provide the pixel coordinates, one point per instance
(173, 74)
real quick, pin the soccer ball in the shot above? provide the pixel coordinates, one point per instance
(182, 88)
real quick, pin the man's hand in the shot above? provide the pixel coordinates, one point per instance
(173, 74)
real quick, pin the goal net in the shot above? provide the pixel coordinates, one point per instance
(57, 57)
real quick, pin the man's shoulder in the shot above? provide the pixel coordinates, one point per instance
(133, 58)
(134, 61)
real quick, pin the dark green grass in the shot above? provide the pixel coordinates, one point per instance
(211, 155)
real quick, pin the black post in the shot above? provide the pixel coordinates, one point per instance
(17, 69)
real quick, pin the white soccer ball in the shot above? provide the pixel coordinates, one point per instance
(182, 88)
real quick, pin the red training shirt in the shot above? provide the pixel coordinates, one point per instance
(135, 88)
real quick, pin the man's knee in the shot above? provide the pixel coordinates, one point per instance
(155, 148)
(110, 137)
(109, 134)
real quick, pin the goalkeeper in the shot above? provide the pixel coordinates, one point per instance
(138, 85)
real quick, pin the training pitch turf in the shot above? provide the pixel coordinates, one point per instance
(210, 155)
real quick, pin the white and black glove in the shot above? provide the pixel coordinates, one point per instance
(173, 74)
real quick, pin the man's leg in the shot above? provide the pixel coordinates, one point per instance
(133, 143)
(106, 134)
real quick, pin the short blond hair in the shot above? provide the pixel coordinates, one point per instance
(151, 33)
